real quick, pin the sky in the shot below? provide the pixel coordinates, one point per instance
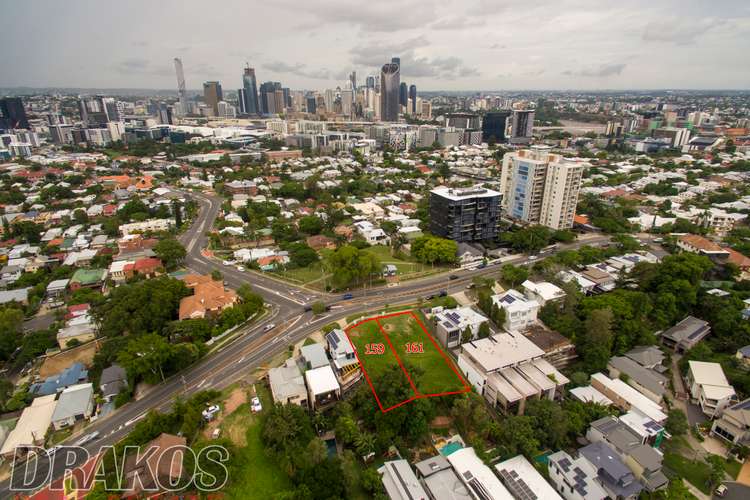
(443, 44)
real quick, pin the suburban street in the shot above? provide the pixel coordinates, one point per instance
(254, 344)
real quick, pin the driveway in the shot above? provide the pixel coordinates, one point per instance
(735, 491)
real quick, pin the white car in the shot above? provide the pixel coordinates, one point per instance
(216, 433)
(269, 326)
(210, 412)
(255, 405)
(241, 269)
(54, 450)
(87, 438)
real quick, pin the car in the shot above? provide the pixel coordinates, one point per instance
(216, 433)
(241, 269)
(269, 326)
(347, 296)
(721, 490)
(453, 277)
(443, 293)
(54, 450)
(470, 286)
(255, 405)
(210, 412)
(308, 308)
(226, 263)
(482, 265)
(430, 297)
(87, 438)
(533, 257)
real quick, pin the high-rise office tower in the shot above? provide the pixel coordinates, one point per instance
(540, 187)
(389, 92)
(98, 111)
(13, 113)
(164, 113)
(329, 97)
(347, 101)
(370, 82)
(311, 104)
(469, 214)
(242, 101)
(523, 125)
(396, 60)
(250, 85)
(212, 94)
(181, 91)
(413, 97)
(353, 79)
(494, 126)
(403, 94)
(287, 97)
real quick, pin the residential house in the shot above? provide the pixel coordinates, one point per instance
(520, 311)
(57, 289)
(626, 397)
(542, 292)
(209, 299)
(686, 334)
(322, 386)
(734, 423)
(476, 476)
(75, 403)
(643, 460)
(650, 357)
(651, 384)
(523, 480)
(88, 278)
(287, 384)
(77, 330)
(313, 356)
(72, 375)
(450, 324)
(400, 482)
(558, 349)
(320, 242)
(112, 381)
(613, 475)
(694, 243)
(709, 386)
(31, 427)
(19, 295)
(439, 479)
(151, 225)
(161, 466)
(575, 478)
(76, 485)
(508, 369)
(344, 359)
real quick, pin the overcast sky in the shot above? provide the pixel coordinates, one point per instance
(443, 44)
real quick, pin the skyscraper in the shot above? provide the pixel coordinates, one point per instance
(469, 214)
(523, 125)
(389, 92)
(494, 125)
(271, 98)
(396, 60)
(311, 104)
(403, 94)
(540, 187)
(242, 101)
(98, 111)
(250, 86)
(13, 113)
(413, 97)
(370, 82)
(212, 95)
(181, 92)
(353, 79)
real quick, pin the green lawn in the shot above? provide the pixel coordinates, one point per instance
(254, 474)
(695, 471)
(426, 365)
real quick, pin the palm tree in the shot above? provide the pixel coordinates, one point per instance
(364, 443)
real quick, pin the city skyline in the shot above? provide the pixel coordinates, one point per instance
(443, 46)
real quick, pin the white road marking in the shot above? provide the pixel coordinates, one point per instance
(201, 384)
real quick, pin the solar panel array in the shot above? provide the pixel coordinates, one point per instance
(743, 405)
(517, 486)
(508, 299)
(580, 481)
(565, 464)
(653, 426)
(333, 339)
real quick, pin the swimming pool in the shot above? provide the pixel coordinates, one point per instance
(450, 448)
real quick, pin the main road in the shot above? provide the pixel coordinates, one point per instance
(257, 343)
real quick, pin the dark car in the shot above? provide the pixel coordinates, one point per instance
(443, 293)
(348, 296)
(453, 277)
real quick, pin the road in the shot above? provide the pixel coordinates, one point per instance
(254, 344)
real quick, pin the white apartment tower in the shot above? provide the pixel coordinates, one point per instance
(541, 187)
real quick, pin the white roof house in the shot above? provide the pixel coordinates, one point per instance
(626, 397)
(477, 476)
(32, 426)
(520, 477)
(588, 394)
(709, 386)
(520, 311)
(287, 384)
(322, 385)
(76, 402)
(400, 482)
(451, 324)
(542, 291)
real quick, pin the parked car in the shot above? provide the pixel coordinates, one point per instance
(443, 293)
(347, 296)
(216, 433)
(453, 277)
(210, 412)
(721, 491)
(255, 405)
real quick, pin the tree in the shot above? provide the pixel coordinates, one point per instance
(350, 265)
(529, 239)
(677, 423)
(310, 224)
(11, 324)
(550, 422)
(466, 335)
(150, 358)
(484, 330)
(170, 251)
(177, 211)
(301, 255)
(365, 443)
(514, 435)
(318, 307)
(434, 250)
(718, 467)
(498, 315)
(216, 275)
(513, 275)
(596, 346)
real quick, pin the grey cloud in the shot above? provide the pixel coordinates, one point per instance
(300, 69)
(679, 32)
(379, 16)
(600, 71)
(377, 54)
(457, 23)
(136, 65)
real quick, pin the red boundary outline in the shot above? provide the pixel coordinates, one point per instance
(417, 394)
